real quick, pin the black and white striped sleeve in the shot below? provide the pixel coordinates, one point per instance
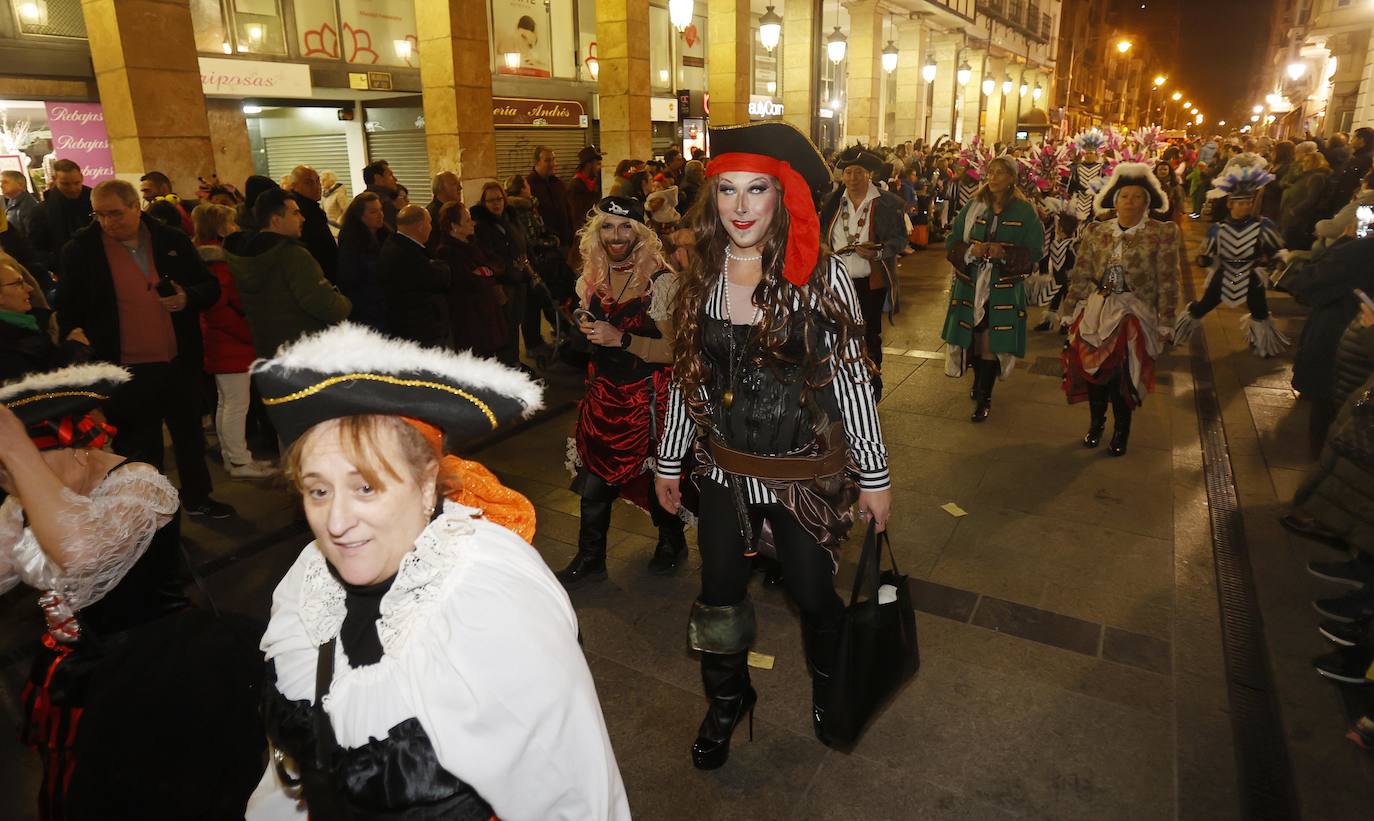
(854, 394)
(678, 432)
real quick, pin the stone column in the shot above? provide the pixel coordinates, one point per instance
(229, 139)
(622, 46)
(910, 108)
(455, 79)
(800, 50)
(148, 75)
(863, 62)
(729, 68)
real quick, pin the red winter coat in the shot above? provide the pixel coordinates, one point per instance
(224, 326)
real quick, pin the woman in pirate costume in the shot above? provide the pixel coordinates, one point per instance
(139, 705)
(626, 290)
(994, 244)
(1120, 303)
(1085, 175)
(772, 385)
(423, 661)
(1238, 251)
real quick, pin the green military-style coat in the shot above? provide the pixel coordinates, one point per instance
(1020, 226)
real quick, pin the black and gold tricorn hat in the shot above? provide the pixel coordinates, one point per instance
(351, 370)
(54, 405)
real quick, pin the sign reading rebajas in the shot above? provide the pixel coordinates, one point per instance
(78, 134)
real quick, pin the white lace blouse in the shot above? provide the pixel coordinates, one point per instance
(110, 531)
(479, 643)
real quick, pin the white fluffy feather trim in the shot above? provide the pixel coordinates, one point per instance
(348, 348)
(1184, 327)
(1264, 338)
(75, 376)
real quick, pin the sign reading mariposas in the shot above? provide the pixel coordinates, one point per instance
(514, 111)
(78, 134)
(221, 77)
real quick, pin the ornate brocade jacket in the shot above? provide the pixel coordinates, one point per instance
(1150, 256)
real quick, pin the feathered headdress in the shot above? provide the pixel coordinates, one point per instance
(1242, 178)
(1091, 140)
(974, 159)
(1048, 167)
(1055, 205)
(1148, 139)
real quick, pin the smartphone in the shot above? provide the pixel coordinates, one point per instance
(1364, 217)
(1363, 297)
(165, 287)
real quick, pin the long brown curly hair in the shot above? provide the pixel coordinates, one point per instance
(773, 296)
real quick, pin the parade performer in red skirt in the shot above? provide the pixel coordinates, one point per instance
(625, 293)
(1121, 302)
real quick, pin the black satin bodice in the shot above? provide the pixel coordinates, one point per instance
(388, 779)
(773, 411)
(617, 365)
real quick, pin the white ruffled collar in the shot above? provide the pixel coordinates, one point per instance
(419, 584)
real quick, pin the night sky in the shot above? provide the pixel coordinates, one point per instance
(1222, 44)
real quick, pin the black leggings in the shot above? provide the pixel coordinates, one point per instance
(1255, 299)
(807, 571)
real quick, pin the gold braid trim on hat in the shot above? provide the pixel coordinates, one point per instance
(29, 400)
(390, 380)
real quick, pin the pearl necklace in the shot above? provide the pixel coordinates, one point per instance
(737, 258)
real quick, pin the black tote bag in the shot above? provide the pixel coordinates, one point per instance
(877, 650)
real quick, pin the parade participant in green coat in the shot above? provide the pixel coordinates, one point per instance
(994, 244)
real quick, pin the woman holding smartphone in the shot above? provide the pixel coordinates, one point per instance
(994, 244)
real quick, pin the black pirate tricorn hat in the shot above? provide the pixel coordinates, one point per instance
(866, 160)
(53, 404)
(621, 207)
(1127, 174)
(777, 139)
(351, 370)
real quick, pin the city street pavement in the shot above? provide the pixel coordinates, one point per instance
(1072, 663)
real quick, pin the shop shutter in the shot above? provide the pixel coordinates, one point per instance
(405, 152)
(322, 152)
(515, 149)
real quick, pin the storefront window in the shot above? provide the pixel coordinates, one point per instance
(207, 18)
(586, 39)
(660, 43)
(317, 29)
(534, 38)
(765, 70)
(57, 18)
(378, 32)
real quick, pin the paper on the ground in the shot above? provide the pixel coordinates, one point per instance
(953, 509)
(760, 660)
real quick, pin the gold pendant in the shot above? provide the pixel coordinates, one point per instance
(728, 399)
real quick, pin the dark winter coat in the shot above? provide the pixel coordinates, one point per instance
(1323, 281)
(86, 291)
(475, 299)
(1299, 207)
(1345, 180)
(56, 222)
(416, 292)
(283, 290)
(1354, 360)
(1339, 492)
(24, 351)
(317, 238)
(21, 209)
(503, 244)
(551, 198)
(359, 278)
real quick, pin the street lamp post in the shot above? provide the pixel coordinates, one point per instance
(1122, 46)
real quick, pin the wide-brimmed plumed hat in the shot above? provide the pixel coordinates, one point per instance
(1242, 178)
(780, 150)
(55, 406)
(351, 370)
(1127, 174)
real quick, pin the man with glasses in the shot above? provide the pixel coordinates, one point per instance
(135, 288)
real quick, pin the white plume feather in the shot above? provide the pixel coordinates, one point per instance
(74, 376)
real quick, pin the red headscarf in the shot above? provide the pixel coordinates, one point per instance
(804, 237)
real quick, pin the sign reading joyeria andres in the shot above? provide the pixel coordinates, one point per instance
(78, 134)
(513, 111)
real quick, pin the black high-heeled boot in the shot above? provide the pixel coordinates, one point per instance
(822, 642)
(1097, 407)
(589, 565)
(672, 542)
(1121, 430)
(985, 376)
(726, 678)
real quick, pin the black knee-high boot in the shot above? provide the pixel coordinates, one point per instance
(984, 377)
(672, 543)
(1121, 415)
(590, 562)
(1097, 408)
(822, 641)
(723, 635)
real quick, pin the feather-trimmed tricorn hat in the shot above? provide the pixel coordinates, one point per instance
(1127, 174)
(351, 370)
(55, 406)
(780, 150)
(621, 207)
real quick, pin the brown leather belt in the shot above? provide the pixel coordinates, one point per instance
(784, 468)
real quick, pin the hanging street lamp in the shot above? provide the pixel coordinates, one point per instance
(770, 29)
